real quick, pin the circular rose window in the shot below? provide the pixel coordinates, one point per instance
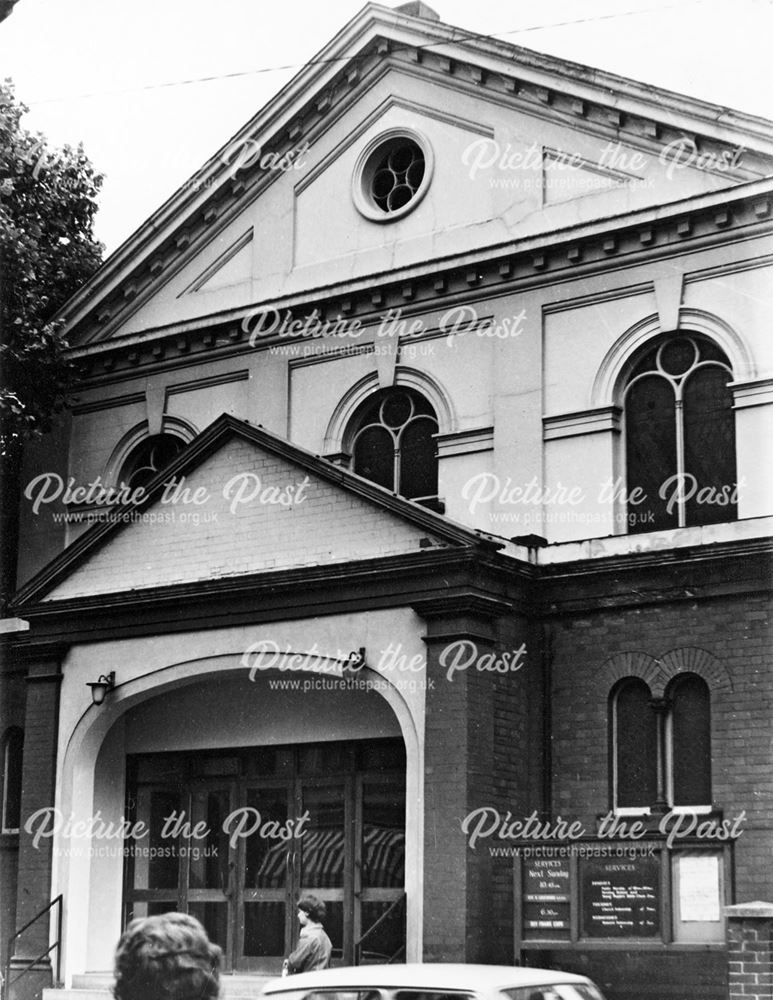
(392, 175)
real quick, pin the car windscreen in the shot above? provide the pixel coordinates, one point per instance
(432, 995)
(557, 991)
(373, 994)
(330, 994)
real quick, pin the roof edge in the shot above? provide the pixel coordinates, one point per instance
(219, 431)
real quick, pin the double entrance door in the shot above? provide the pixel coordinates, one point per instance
(237, 849)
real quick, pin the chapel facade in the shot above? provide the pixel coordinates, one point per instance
(408, 540)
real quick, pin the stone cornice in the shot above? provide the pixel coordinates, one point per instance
(40, 657)
(465, 442)
(756, 392)
(604, 419)
(438, 584)
(722, 569)
(278, 595)
(706, 220)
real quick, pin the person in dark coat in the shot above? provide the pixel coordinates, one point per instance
(314, 947)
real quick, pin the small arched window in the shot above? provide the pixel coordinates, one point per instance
(660, 748)
(13, 749)
(148, 458)
(680, 436)
(689, 741)
(392, 444)
(634, 745)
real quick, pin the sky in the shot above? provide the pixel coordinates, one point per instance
(111, 74)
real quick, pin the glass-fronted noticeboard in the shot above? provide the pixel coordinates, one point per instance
(602, 894)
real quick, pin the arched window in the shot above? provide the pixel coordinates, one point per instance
(13, 749)
(680, 436)
(634, 745)
(148, 458)
(689, 741)
(672, 734)
(392, 444)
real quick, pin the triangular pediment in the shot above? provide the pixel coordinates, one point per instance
(233, 266)
(240, 501)
(567, 175)
(485, 107)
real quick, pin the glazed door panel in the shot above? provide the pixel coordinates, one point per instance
(325, 856)
(208, 863)
(266, 880)
(379, 879)
(184, 862)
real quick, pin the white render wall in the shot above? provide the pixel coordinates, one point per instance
(574, 339)
(160, 684)
(306, 231)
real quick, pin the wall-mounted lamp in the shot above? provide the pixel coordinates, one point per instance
(100, 687)
(356, 660)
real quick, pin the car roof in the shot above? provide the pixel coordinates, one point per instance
(435, 976)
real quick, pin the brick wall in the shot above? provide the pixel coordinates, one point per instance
(639, 975)
(735, 632)
(726, 640)
(479, 755)
(518, 761)
(35, 862)
(750, 937)
(12, 699)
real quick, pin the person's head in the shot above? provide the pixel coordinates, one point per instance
(168, 957)
(310, 910)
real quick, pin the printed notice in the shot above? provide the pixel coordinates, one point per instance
(546, 897)
(621, 899)
(699, 888)
(546, 881)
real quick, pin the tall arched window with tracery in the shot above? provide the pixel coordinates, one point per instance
(391, 440)
(148, 458)
(680, 436)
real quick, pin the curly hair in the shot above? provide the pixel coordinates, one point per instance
(166, 957)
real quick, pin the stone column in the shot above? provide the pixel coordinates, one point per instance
(38, 787)
(750, 951)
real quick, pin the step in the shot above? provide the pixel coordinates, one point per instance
(58, 993)
(93, 981)
(98, 986)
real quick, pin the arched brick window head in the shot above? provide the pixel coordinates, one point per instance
(392, 444)
(149, 458)
(680, 436)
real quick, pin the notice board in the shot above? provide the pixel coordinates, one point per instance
(620, 898)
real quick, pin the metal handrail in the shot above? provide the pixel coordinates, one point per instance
(399, 903)
(31, 964)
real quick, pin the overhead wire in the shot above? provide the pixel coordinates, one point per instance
(463, 34)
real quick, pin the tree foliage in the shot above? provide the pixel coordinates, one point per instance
(47, 251)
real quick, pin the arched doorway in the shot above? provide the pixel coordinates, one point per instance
(196, 742)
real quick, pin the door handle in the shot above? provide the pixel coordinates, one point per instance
(227, 885)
